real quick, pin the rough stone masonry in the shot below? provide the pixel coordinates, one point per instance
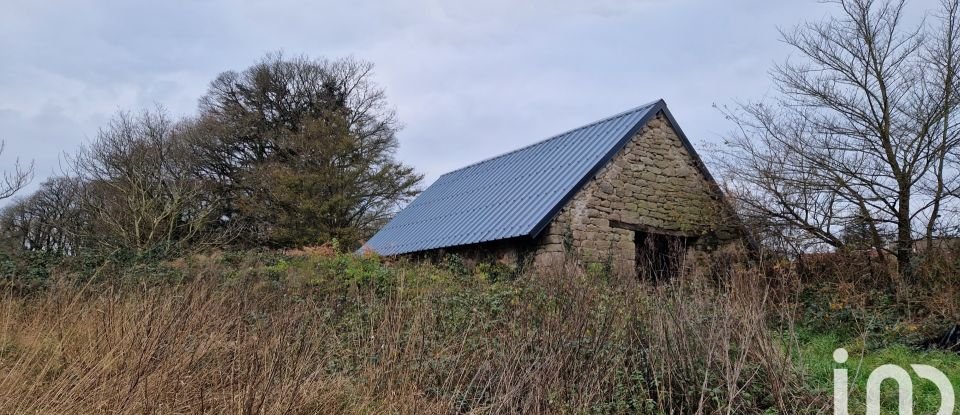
(652, 185)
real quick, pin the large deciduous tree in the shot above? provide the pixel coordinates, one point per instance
(301, 151)
(861, 133)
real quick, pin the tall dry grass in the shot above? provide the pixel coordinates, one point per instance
(556, 341)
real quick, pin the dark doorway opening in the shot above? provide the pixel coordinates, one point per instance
(659, 257)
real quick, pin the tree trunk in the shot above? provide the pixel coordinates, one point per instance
(904, 238)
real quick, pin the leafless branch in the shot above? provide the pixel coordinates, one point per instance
(15, 178)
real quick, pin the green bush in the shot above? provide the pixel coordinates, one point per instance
(496, 271)
(364, 271)
(27, 270)
(454, 264)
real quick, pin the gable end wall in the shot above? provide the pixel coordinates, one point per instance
(652, 184)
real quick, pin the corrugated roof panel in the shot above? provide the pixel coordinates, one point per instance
(510, 195)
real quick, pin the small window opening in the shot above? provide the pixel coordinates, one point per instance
(660, 257)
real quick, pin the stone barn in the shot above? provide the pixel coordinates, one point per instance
(628, 190)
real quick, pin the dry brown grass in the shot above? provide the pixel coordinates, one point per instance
(559, 341)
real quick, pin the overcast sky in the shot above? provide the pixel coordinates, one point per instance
(469, 80)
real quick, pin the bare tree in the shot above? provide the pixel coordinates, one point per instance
(14, 179)
(50, 220)
(139, 192)
(861, 132)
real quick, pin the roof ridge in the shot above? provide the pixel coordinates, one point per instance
(555, 136)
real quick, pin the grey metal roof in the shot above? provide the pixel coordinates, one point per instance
(511, 195)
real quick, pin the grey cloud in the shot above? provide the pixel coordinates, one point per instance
(468, 79)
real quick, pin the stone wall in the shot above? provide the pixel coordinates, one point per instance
(506, 251)
(653, 185)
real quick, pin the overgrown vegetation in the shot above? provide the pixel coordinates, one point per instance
(313, 331)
